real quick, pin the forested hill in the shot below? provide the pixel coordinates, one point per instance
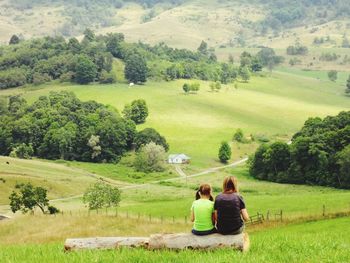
(220, 22)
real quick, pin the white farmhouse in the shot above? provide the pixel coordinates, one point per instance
(178, 158)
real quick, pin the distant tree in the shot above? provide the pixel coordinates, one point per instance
(26, 197)
(186, 88)
(194, 87)
(333, 75)
(150, 135)
(343, 160)
(244, 73)
(86, 70)
(22, 151)
(107, 77)
(94, 144)
(224, 152)
(238, 135)
(347, 90)
(101, 195)
(345, 42)
(14, 40)
(203, 48)
(245, 59)
(215, 86)
(74, 45)
(150, 158)
(89, 35)
(136, 111)
(113, 44)
(231, 60)
(136, 68)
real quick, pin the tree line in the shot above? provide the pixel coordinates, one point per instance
(60, 126)
(41, 60)
(318, 155)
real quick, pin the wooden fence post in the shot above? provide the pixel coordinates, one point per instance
(173, 219)
(281, 215)
(150, 218)
(185, 219)
(324, 210)
(268, 215)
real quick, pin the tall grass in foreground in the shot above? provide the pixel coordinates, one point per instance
(321, 241)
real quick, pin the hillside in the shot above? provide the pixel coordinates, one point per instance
(182, 23)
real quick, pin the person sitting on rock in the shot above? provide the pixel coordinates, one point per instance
(230, 209)
(202, 212)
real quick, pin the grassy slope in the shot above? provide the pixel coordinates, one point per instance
(307, 242)
(276, 106)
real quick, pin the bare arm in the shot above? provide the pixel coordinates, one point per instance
(245, 214)
(215, 216)
(192, 216)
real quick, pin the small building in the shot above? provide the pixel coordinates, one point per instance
(178, 158)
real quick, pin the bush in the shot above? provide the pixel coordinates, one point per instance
(333, 75)
(53, 210)
(224, 152)
(238, 136)
(108, 77)
(22, 151)
(67, 77)
(150, 158)
(39, 78)
(12, 78)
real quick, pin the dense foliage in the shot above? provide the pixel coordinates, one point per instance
(27, 197)
(224, 152)
(60, 126)
(41, 60)
(101, 195)
(319, 154)
(150, 158)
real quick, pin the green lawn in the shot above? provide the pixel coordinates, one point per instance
(321, 241)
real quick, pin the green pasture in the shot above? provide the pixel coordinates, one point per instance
(321, 241)
(274, 106)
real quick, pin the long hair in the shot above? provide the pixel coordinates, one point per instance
(204, 189)
(230, 184)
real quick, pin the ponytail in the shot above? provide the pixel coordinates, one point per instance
(198, 196)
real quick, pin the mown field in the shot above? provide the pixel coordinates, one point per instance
(321, 241)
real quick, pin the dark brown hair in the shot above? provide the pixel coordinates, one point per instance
(230, 184)
(204, 189)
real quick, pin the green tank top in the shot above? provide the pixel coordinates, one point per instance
(203, 210)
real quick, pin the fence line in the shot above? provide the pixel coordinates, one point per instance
(257, 218)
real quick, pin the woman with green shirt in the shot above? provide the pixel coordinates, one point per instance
(202, 212)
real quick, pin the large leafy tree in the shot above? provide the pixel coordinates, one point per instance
(136, 68)
(27, 197)
(150, 158)
(150, 135)
(86, 70)
(102, 195)
(137, 111)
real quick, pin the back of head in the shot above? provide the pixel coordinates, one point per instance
(204, 190)
(230, 184)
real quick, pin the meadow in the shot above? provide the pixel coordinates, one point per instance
(272, 106)
(305, 242)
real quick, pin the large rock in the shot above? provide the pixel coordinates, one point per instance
(105, 243)
(190, 241)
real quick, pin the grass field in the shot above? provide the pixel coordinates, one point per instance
(275, 106)
(306, 242)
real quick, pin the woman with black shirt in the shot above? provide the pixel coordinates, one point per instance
(230, 209)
